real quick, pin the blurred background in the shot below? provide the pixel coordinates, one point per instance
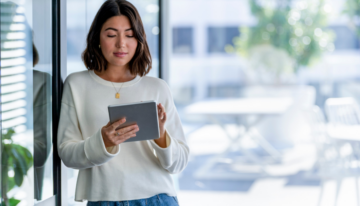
(251, 80)
(267, 91)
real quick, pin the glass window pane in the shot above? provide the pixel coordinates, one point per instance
(346, 38)
(266, 80)
(220, 37)
(42, 106)
(183, 40)
(26, 114)
(17, 125)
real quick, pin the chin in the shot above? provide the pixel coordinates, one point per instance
(120, 63)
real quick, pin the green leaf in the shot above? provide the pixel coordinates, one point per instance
(13, 201)
(19, 176)
(29, 158)
(26, 154)
(9, 133)
(20, 162)
(11, 183)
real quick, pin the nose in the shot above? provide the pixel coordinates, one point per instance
(120, 41)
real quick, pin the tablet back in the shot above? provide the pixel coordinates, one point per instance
(142, 113)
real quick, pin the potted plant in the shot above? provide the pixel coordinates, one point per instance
(16, 160)
(288, 35)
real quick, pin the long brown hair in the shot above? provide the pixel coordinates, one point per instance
(92, 56)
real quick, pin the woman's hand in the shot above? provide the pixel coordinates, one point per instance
(162, 119)
(113, 137)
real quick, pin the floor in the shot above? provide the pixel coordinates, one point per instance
(288, 183)
(273, 192)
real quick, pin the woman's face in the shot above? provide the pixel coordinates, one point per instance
(117, 41)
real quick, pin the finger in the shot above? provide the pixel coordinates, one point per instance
(125, 137)
(162, 107)
(164, 117)
(128, 129)
(163, 113)
(160, 114)
(118, 123)
(130, 135)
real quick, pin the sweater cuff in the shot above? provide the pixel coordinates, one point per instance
(95, 149)
(164, 154)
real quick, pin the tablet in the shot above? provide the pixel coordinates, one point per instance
(144, 114)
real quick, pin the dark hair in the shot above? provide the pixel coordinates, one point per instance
(92, 56)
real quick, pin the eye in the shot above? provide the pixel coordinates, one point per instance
(111, 35)
(130, 36)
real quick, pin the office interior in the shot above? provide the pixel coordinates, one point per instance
(268, 93)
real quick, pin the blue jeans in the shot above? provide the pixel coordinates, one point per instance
(157, 200)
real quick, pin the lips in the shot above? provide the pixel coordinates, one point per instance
(120, 54)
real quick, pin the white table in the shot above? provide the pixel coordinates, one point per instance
(241, 109)
(241, 106)
(349, 133)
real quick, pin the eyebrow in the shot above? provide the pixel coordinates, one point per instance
(110, 28)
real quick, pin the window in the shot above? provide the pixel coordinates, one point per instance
(219, 37)
(345, 38)
(26, 102)
(183, 40)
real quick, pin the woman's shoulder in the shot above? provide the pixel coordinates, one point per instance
(154, 82)
(157, 84)
(77, 77)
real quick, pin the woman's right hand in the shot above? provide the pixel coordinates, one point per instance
(113, 137)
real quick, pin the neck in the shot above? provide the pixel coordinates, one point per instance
(116, 73)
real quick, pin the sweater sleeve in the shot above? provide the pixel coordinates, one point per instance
(74, 150)
(174, 158)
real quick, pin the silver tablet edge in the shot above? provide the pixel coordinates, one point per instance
(157, 118)
(131, 103)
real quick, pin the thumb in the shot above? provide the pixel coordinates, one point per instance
(108, 124)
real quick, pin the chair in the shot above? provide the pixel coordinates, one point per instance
(331, 162)
(290, 127)
(345, 111)
(342, 111)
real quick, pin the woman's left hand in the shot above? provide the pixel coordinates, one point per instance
(162, 119)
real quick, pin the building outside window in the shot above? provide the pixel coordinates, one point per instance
(183, 40)
(346, 38)
(220, 37)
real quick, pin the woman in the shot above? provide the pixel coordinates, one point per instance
(112, 173)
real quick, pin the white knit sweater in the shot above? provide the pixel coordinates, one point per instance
(129, 171)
